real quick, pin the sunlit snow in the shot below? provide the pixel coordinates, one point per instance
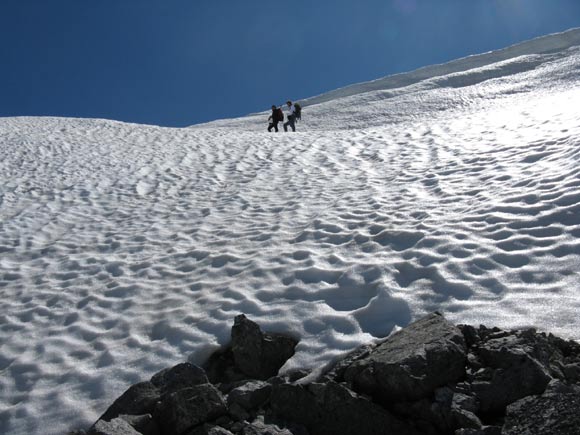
(125, 249)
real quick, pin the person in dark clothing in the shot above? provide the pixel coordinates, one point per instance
(291, 117)
(276, 117)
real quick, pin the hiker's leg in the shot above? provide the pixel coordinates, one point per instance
(276, 126)
(270, 127)
(285, 125)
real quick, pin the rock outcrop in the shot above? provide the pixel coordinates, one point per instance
(431, 378)
(413, 362)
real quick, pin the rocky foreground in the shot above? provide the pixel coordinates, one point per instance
(431, 378)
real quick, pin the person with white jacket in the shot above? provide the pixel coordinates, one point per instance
(291, 117)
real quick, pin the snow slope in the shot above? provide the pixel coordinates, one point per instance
(125, 249)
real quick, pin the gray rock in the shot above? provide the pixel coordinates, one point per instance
(555, 414)
(144, 424)
(461, 418)
(238, 413)
(429, 418)
(336, 372)
(296, 404)
(470, 334)
(486, 430)
(257, 354)
(221, 370)
(468, 432)
(556, 386)
(512, 373)
(116, 426)
(466, 402)
(139, 399)
(181, 376)
(251, 395)
(331, 408)
(444, 413)
(208, 429)
(572, 372)
(184, 409)
(289, 377)
(413, 362)
(260, 427)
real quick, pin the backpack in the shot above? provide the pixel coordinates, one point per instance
(298, 110)
(279, 115)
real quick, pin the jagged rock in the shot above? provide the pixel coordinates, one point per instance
(553, 414)
(260, 427)
(181, 376)
(511, 372)
(413, 362)
(139, 399)
(238, 413)
(470, 334)
(257, 354)
(252, 354)
(461, 418)
(288, 377)
(486, 430)
(189, 407)
(117, 426)
(465, 401)
(144, 424)
(250, 395)
(430, 378)
(208, 429)
(572, 372)
(295, 403)
(331, 408)
(336, 372)
(224, 421)
(447, 411)
(221, 369)
(427, 417)
(556, 386)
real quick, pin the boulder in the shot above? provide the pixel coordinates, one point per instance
(139, 399)
(331, 408)
(447, 410)
(221, 369)
(511, 372)
(295, 403)
(262, 427)
(144, 424)
(181, 376)
(116, 426)
(336, 372)
(252, 354)
(250, 395)
(486, 430)
(189, 407)
(209, 429)
(413, 362)
(552, 414)
(257, 354)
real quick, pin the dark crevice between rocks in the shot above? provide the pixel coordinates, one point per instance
(430, 378)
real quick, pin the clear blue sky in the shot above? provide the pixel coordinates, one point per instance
(181, 62)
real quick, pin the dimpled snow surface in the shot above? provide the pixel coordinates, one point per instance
(126, 249)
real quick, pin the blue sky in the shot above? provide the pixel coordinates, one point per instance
(181, 62)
